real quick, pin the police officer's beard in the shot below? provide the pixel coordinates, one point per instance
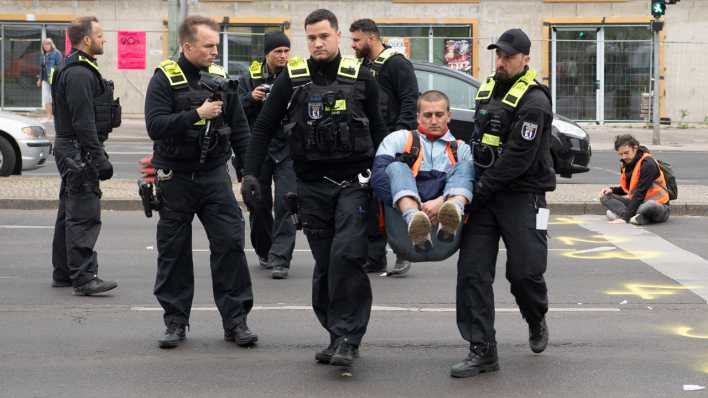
(96, 49)
(363, 52)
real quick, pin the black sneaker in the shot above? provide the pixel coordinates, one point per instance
(94, 286)
(62, 283)
(325, 356)
(538, 336)
(344, 354)
(263, 263)
(374, 267)
(174, 335)
(279, 272)
(481, 359)
(241, 335)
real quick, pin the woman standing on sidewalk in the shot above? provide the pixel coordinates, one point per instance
(51, 59)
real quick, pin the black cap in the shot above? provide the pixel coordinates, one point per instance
(513, 41)
(273, 40)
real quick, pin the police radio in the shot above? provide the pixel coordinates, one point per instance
(217, 85)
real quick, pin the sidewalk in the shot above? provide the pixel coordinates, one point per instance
(31, 193)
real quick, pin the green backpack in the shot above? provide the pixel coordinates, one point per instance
(669, 177)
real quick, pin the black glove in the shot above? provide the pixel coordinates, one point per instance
(480, 196)
(251, 191)
(238, 167)
(104, 170)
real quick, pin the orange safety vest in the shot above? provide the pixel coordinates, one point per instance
(657, 191)
(414, 140)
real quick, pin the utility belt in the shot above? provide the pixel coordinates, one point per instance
(362, 179)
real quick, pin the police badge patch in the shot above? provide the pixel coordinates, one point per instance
(314, 108)
(528, 130)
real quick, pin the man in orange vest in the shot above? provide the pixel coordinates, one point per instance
(642, 196)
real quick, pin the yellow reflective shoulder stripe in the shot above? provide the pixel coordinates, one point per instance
(297, 68)
(51, 74)
(88, 61)
(485, 92)
(349, 68)
(517, 91)
(385, 55)
(255, 70)
(200, 122)
(173, 72)
(216, 70)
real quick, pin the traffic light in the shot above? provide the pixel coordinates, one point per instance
(658, 8)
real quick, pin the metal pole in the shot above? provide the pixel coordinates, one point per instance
(173, 9)
(656, 135)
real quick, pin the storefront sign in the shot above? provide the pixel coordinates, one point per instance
(131, 50)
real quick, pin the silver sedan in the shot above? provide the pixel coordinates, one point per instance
(23, 144)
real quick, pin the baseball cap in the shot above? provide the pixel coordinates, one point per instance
(513, 41)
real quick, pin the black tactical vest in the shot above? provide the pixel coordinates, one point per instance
(388, 115)
(106, 109)
(188, 146)
(494, 116)
(327, 122)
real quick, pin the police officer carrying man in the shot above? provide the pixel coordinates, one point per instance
(511, 150)
(193, 139)
(85, 113)
(333, 126)
(273, 240)
(398, 95)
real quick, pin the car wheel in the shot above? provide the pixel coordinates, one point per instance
(7, 157)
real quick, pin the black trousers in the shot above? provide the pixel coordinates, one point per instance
(77, 225)
(334, 221)
(210, 196)
(511, 217)
(377, 240)
(274, 238)
(651, 210)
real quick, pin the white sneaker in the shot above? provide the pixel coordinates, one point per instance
(638, 219)
(611, 215)
(449, 218)
(419, 230)
(401, 267)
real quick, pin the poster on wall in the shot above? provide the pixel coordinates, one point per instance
(131, 50)
(67, 44)
(400, 44)
(458, 55)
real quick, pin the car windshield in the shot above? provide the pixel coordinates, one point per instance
(460, 92)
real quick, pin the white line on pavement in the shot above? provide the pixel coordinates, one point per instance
(26, 227)
(684, 267)
(389, 251)
(385, 309)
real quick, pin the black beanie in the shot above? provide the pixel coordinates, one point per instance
(273, 40)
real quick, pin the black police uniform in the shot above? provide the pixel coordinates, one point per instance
(273, 239)
(511, 148)
(398, 97)
(189, 186)
(333, 126)
(85, 112)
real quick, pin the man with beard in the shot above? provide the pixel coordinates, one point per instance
(511, 151)
(333, 126)
(85, 113)
(273, 240)
(397, 97)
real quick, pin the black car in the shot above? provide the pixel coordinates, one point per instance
(570, 146)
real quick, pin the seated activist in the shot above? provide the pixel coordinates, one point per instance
(642, 196)
(425, 174)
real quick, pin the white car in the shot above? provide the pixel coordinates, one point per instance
(23, 144)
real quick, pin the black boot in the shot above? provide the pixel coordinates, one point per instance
(345, 353)
(371, 266)
(325, 356)
(481, 359)
(94, 286)
(174, 335)
(538, 336)
(279, 272)
(241, 335)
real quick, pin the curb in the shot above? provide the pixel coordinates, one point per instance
(568, 208)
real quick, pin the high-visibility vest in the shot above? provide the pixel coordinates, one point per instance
(656, 192)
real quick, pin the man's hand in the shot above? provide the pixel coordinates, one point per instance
(210, 109)
(104, 170)
(431, 208)
(251, 191)
(258, 94)
(617, 221)
(604, 191)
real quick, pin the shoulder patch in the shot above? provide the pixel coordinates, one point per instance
(528, 131)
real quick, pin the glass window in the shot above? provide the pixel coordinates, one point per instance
(243, 44)
(461, 93)
(21, 66)
(449, 45)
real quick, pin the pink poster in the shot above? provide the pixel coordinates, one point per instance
(131, 50)
(67, 43)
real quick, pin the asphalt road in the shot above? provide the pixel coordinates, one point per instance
(628, 319)
(689, 166)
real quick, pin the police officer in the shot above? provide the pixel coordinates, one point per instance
(192, 143)
(85, 113)
(333, 126)
(273, 240)
(511, 145)
(398, 96)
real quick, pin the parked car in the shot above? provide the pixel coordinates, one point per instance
(23, 144)
(570, 145)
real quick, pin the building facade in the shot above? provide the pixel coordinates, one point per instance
(595, 55)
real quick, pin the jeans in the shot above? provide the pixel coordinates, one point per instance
(403, 183)
(650, 211)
